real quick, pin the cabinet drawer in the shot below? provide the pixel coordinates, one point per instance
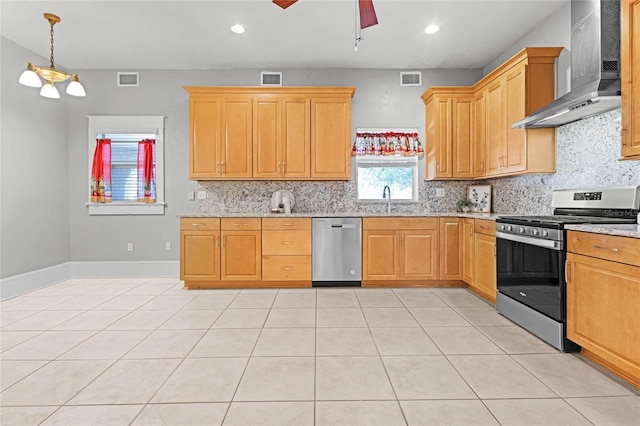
(286, 268)
(610, 247)
(483, 226)
(286, 242)
(199, 223)
(285, 223)
(400, 223)
(240, 223)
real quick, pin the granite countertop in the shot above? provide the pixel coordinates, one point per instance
(489, 216)
(631, 231)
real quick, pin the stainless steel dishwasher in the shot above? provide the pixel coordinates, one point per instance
(337, 251)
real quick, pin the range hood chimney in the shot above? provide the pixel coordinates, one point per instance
(595, 66)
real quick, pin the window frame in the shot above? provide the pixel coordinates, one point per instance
(370, 161)
(128, 124)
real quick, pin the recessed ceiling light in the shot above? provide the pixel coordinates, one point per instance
(238, 29)
(431, 29)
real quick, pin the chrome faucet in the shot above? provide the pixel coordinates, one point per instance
(384, 195)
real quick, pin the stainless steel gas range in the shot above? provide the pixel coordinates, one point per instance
(531, 255)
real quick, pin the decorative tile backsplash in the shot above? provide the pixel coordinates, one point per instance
(587, 156)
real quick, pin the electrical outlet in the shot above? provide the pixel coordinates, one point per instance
(191, 195)
(167, 246)
(439, 192)
(202, 195)
(129, 246)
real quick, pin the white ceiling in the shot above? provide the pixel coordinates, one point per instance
(310, 34)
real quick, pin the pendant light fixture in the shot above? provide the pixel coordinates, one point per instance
(32, 75)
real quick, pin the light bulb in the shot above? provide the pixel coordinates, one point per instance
(30, 78)
(238, 29)
(432, 29)
(49, 91)
(75, 88)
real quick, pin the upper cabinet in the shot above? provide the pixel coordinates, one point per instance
(220, 137)
(270, 133)
(449, 115)
(630, 74)
(485, 144)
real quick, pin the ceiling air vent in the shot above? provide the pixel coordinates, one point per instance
(269, 78)
(128, 79)
(412, 78)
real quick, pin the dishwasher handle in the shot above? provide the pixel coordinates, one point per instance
(343, 225)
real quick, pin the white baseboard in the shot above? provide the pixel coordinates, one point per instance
(16, 285)
(29, 281)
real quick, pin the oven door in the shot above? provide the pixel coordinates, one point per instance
(531, 271)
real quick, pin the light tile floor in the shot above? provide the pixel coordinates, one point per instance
(148, 352)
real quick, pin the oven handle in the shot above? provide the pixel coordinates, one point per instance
(550, 244)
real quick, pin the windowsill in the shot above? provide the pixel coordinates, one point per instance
(122, 208)
(383, 201)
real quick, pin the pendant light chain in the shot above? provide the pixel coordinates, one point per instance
(51, 58)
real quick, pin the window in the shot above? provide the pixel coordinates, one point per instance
(134, 141)
(373, 173)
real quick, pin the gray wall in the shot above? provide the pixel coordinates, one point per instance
(34, 211)
(554, 31)
(379, 101)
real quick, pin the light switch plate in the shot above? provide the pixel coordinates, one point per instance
(202, 195)
(191, 195)
(439, 192)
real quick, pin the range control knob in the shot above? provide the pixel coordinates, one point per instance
(509, 228)
(545, 233)
(521, 230)
(535, 232)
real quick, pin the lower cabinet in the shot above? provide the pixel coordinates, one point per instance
(240, 249)
(399, 249)
(603, 300)
(451, 264)
(286, 250)
(214, 251)
(479, 254)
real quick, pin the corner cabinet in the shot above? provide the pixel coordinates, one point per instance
(521, 88)
(449, 114)
(630, 76)
(603, 296)
(469, 132)
(241, 133)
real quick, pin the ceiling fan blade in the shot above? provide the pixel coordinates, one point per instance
(368, 16)
(284, 3)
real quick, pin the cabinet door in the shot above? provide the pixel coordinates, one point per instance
(495, 128)
(450, 248)
(266, 137)
(479, 134)
(515, 159)
(330, 138)
(630, 61)
(437, 128)
(602, 312)
(236, 147)
(379, 255)
(418, 254)
(442, 136)
(241, 257)
(485, 271)
(205, 132)
(296, 137)
(461, 141)
(468, 251)
(199, 255)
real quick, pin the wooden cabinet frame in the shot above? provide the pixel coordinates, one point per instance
(294, 133)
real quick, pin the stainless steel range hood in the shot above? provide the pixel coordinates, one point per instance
(595, 66)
